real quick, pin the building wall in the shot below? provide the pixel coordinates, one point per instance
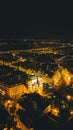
(17, 90)
(34, 86)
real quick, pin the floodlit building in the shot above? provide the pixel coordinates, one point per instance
(14, 90)
(35, 84)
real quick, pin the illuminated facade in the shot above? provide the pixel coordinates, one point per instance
(35, 85)
(62, 77)
(15, 90)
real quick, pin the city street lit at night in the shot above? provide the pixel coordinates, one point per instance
(36, 84)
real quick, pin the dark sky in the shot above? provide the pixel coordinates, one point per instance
(34, 19)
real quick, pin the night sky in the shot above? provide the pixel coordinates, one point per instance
(36, 20)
